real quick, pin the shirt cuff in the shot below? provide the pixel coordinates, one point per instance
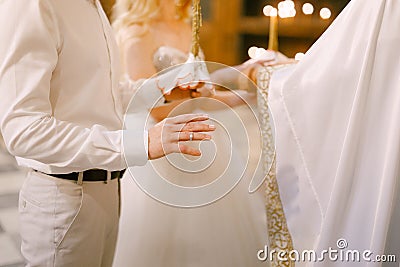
(135, 147)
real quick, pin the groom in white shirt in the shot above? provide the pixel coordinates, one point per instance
(61, 116)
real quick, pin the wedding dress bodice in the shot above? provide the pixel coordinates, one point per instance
(167, 56)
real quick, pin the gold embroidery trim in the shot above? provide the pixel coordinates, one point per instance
(278, 232)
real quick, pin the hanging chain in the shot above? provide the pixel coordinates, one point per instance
(196, 24)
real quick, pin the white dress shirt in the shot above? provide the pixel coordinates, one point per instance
(60, 97)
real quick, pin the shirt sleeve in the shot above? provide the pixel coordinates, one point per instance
(135, 136)
(29, 49)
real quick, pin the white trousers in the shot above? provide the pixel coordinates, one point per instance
(66, 224)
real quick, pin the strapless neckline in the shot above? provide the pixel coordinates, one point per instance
(164, 48)
(166, 56)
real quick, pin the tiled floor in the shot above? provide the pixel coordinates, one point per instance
(11, 179)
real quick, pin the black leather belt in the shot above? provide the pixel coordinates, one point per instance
(94, 175)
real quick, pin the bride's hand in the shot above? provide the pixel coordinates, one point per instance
(187, 83)
(195, 78)
(181, 94)
(191, 90)
(178, 94)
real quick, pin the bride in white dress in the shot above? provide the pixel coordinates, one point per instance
(228, 232)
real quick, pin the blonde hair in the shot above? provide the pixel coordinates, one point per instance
(127, 13)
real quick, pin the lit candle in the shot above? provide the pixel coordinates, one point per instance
(325, 13)
(273, 30)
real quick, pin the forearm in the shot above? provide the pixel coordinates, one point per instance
(230, 99)
(161, 112)
(239, 77)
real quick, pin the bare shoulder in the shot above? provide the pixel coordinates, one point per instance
(137, 54)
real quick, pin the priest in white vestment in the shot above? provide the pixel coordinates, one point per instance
(337, 128)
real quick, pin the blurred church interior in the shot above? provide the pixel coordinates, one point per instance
(231, 27)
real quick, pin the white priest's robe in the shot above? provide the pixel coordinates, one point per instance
(337, 128)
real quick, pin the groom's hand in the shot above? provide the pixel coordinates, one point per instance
(167, 136)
